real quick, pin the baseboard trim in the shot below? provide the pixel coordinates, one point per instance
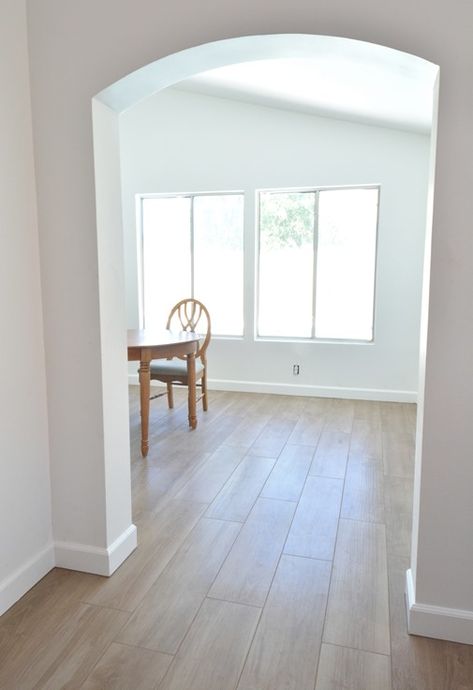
(95, 559)
(455, 625)
(313, 391)
(24, 578)
(383, 395)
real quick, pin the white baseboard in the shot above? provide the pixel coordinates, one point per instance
(442, 623)
(25, 577)
(314, 391)
(383, 395)
(94, 559)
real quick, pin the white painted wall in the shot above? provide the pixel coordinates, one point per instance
(75, 52)
(177, 141)
(26, 552)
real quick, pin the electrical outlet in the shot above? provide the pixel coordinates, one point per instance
(295, 369)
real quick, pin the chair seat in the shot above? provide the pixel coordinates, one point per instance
(174, 367)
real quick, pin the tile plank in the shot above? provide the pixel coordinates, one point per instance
(167, 610)
(398, 454)
(285, 649)
(210, 477)
(352, 669)
(363, 497)
(314, 528)
(66, 659)
(289, 474)
(246, 575)
(357, 610)
(122, 668)
(398, 497)
(330, 459)
(238, 495)
(247, 431)
(366, 439)
(213, 653)
(339, 416)
(273, 437)
(307, 430)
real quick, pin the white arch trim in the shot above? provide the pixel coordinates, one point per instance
(169, 70)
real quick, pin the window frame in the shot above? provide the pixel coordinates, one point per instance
(315, 190)
(139, 199)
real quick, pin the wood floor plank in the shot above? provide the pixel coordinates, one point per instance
(314, 528)
(65, 659)
(246, 575)
(363, 498)
(240, 492)
(330, 459)
(366, 439)
(289, 474)
(157, 481)
(247, 431)
(44, 608)
(307, 430)
(398, 454)
(398, 498)
(357, 610)
(158, 540)
(273, 437)
(209, 435)
(213, 653)
(165, 614)
(339, 416)
(286, 646)
(352, 669)
(316, 406)
(122, 668)
(369, 410)
(394, 417)
(208, 480)
(410, 414)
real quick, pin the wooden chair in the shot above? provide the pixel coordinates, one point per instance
(186, 315)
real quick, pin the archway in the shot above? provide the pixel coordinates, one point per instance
(106, 107)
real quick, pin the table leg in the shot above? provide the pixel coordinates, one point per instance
(191, 388)
(144, 405)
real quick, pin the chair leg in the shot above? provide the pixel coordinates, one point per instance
(204, 390)
(170, 396)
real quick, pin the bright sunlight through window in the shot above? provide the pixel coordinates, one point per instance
(317, 263)
(192, 246)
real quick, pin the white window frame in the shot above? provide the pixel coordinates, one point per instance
(139, 198)
(313, 338)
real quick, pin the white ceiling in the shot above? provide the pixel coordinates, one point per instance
(351, 80)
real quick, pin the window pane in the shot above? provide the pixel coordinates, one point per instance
(346, 258)
(286, 258)
(218, 260)
(166, 257)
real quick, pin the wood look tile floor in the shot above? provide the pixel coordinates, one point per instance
(273, 545)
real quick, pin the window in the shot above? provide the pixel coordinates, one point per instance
(192, 246)
(317, 261)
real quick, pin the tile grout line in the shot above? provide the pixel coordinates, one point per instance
(333, 558)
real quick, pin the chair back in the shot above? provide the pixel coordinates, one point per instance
(191, 315)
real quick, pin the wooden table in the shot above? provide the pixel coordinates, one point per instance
(145, 345)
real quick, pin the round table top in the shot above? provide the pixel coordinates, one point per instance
(149, 337)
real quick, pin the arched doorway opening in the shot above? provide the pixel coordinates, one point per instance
(106, 108)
